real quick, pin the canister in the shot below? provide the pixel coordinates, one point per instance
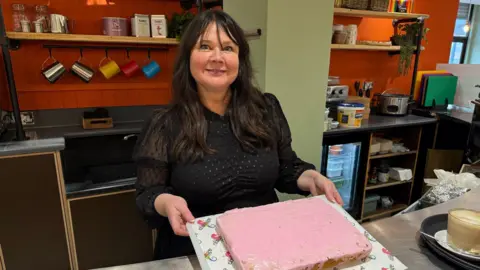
(115, 26)
(350, 114)
(140, 25)
(159, 26)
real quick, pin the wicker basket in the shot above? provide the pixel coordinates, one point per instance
(356, 4)
(379, 5)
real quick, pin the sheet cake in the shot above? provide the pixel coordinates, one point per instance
(301, 234)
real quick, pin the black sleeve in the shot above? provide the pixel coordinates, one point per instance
(151, 158)
(291, 167)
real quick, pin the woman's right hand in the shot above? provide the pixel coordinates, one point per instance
(176, 210)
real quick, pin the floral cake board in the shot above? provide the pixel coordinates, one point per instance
(213, 255)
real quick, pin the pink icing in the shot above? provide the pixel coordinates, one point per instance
(300, 234)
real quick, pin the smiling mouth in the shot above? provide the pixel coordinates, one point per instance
(216, 71)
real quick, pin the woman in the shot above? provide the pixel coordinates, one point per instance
(220, 145)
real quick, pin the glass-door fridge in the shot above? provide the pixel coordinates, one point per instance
(344, 163)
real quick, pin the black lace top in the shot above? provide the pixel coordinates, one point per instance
(230, 178)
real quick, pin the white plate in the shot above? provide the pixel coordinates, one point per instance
(441, 237)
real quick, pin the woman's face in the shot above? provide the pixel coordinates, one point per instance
(214, 60)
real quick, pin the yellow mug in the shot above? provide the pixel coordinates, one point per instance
(110, 69)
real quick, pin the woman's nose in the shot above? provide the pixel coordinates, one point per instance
(216, 55)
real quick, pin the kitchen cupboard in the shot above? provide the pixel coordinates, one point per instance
(32, 230)
(108, 230)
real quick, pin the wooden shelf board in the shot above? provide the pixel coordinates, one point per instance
(381, 212)
(393, 155)
(91, 38)
(377, 14)
(357, 47)
(387, 184)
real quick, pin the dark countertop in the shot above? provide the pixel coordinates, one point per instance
(46, 139)
(377, 122)
(459, 117)
(12, 148)
(78, 131)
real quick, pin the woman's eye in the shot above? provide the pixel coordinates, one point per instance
(204, 47)
(228, 48)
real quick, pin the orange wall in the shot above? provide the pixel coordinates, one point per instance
(35, 92)
(382, 68)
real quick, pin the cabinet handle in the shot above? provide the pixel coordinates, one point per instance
(126, 138)
(2, 261)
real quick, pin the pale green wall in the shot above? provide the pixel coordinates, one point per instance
(291, 60)
(252, 14)
(298, 56)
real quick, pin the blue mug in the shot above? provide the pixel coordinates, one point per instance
(151, 69)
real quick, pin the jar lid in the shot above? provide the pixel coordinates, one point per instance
(41, 8)
(18, 7)
(351, 105)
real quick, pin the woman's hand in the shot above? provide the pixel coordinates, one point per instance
(317, 184)
(176, 209)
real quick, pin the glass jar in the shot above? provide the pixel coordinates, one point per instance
(43, 17)
(18, 15)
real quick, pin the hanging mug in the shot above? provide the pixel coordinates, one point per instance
(131, 67)
(151, 69)
(83, 71)
(54, 71)
(110, 69)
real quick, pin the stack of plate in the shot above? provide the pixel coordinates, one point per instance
(436, 226)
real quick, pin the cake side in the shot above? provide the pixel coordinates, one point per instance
(301, 234)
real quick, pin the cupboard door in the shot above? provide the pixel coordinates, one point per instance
(32, 231)
(110, 231)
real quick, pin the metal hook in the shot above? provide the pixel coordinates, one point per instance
(50, 52)
(148, 54)
(128, 53)
(81, 53)
(106, 52)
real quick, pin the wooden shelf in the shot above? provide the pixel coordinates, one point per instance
(381, 212)
(393, 155)
(364, 47)
(376, 14)
(387, 184)
(91, 38)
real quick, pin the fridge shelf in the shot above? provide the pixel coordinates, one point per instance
(387, 184)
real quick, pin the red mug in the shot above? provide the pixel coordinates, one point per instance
(130, 68)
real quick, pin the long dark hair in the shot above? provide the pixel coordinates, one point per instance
(247, 109)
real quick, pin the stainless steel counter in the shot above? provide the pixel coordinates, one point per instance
(398, 234)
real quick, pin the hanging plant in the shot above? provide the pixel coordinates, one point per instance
(178, 23)
(406, 37)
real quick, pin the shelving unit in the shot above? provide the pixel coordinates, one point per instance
(91, 38)
(398, 18)
(376, 14)
(357, 47)
(393, 155)
(400, 191)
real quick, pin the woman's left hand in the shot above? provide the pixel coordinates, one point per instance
(318, 184)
